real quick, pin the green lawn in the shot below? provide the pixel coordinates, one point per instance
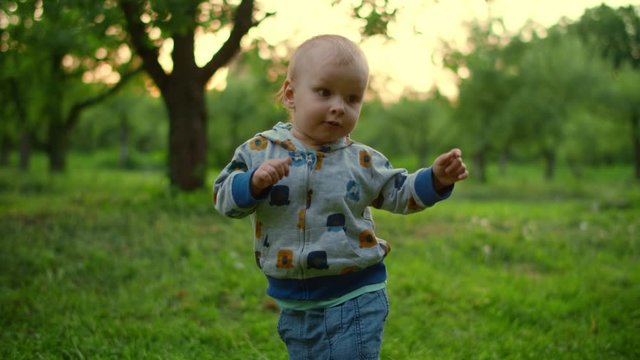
(107, 264)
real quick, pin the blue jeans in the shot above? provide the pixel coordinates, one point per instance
(350, 331)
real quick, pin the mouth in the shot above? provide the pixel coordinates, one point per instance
(333, 123)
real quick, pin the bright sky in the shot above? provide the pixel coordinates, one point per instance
(405, 62)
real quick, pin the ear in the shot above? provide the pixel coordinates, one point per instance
(288, 95)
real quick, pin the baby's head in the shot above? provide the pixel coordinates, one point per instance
(324, 88)
(332, 47)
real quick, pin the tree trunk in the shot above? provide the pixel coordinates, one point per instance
(550, 164)
(576, 168)
(5, 152)
(423, 153)
(480, 166)
(57, 145)
(57, 137)
(185, 103)
(25, 151)
(635, 140)
(124, 140)
(25, 136)
(504, 160)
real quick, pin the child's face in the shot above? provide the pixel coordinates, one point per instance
(326, 98)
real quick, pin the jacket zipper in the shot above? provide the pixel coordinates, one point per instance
(309, 167)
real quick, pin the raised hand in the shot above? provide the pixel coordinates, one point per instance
(269, 173)
(448, 168)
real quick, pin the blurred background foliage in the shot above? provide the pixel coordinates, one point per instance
(568, 95)
(515, 267)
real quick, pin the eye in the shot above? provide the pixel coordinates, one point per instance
(353, 99)
(323, 92)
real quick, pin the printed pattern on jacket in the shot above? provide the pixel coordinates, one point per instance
(317, 221)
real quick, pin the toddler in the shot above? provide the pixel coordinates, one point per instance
(308, 189)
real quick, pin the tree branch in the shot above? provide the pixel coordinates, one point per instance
(76, 109)
(147, 51)
(243, 21)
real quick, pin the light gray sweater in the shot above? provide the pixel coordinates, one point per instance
(314, 234)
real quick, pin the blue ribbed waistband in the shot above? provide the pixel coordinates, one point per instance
(326, 287)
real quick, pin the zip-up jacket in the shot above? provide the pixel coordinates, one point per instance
(314, 234)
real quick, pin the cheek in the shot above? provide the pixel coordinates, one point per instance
(313, 106)
(353, 120)
(354, 114)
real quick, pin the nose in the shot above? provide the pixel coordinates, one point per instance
(337, 106)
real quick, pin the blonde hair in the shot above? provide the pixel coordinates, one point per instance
(343, 51)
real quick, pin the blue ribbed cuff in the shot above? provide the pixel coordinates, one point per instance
(426, 191)
(241, 191)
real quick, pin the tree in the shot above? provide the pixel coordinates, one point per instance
(183, 89)
(54, 46)
(12, 109)
(18, 72)
(76, 29)
(419, 125)
(133, 121)
(627, 101)
(483, 87)
(517, 95)
(615, 34)
(555, 76)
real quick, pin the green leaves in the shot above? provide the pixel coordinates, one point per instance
(615, 33)
(517, 97)
(376, 16)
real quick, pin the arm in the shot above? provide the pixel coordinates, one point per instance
(238, 190)
(402, 192)
(230, 189)
(231, 192)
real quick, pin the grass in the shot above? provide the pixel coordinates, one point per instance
(108, 264)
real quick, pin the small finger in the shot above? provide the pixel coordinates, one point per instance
(282, 165)
(288, 164)
(283, 170)
(453, 166)
(285, 161)
(274, 177)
